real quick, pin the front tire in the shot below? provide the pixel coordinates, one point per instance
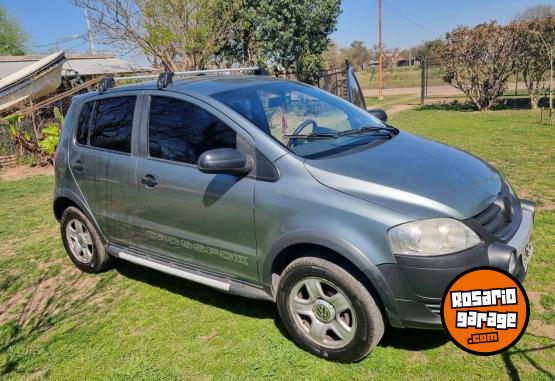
(327, 311)
(82, 242)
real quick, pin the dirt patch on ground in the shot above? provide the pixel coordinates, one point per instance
(542, 329)
(48, 298)
(22, 171)
(418, 357)
(543, 203)
(209, 336)
(395, 109)
(535, 298)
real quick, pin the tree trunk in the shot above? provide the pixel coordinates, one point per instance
(534, 100)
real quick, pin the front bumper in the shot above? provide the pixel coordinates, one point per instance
(412, 288)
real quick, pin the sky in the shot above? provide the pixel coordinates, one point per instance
(406, 23)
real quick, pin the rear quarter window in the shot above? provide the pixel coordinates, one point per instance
(112, 124)
(82, 129)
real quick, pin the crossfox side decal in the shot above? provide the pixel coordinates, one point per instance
(197, 247)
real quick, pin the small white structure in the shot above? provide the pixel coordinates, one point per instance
(22, 77)
(33, 80)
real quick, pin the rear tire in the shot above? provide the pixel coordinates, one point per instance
(327, 311)
(82, 242)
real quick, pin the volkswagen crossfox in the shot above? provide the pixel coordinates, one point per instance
(276, 190)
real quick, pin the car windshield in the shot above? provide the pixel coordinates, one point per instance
(310, 122)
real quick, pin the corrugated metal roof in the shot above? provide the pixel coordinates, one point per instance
(7, 68)
(84, 64)
(91, 66)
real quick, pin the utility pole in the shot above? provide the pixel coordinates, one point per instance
(89, 32)
(380, 52)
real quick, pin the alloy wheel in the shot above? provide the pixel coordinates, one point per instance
(80, 241)
(323, 312)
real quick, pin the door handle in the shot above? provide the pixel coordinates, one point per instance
(149, 181)
(77, 165)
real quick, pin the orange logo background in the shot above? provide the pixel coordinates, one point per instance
(485, 340)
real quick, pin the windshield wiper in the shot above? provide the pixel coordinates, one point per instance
(392, 130)
(356, 131)
(313, 135)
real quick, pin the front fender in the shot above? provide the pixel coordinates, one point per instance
(348, 251)
(339, 245)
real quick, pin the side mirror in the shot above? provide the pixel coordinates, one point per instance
(224, 160)
(379, 113)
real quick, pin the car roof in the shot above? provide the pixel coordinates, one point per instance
(202, 85)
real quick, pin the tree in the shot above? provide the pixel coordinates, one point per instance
(244, 44)
(430, 49)
(358, 54)
(295, 33)
(174, 34)
(333, 56)
(191, 34)
(13, 38)
(535, 56)
(479, 60)
(537, 12)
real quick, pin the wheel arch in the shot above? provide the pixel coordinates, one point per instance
(294, 242)
(338, 251)
(64, 199)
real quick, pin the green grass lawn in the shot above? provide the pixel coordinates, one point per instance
(407, 77)
(399, 77)
(135, 323)
(392, 102)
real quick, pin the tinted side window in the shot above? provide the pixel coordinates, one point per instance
(180, 131)
(112, 123)
(82, 130)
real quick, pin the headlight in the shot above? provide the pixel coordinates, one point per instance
(431, 237)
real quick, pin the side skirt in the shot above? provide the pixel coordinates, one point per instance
(191, 273)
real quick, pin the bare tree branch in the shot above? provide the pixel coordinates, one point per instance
(479, 60)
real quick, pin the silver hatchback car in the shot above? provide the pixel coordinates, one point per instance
(272, 189)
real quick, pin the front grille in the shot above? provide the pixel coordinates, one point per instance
(502, 218)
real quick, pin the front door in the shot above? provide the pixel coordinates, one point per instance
(189, 216)
(103, 165)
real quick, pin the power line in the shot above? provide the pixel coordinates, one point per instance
(62, 40)
(409, 20)
(73, 37)
(77, 45)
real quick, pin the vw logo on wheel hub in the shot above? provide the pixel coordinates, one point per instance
(324, 311)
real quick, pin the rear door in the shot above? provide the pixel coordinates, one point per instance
(203, 219)
(103, 162)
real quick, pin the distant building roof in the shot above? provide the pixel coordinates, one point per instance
(84, 64)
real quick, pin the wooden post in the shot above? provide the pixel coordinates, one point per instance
(423, 65)
(426, 82)
(380, 52)
(551, 87)
(33, 119)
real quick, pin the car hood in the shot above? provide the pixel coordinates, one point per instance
(412, 175)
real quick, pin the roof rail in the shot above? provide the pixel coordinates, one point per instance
(184, 74)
